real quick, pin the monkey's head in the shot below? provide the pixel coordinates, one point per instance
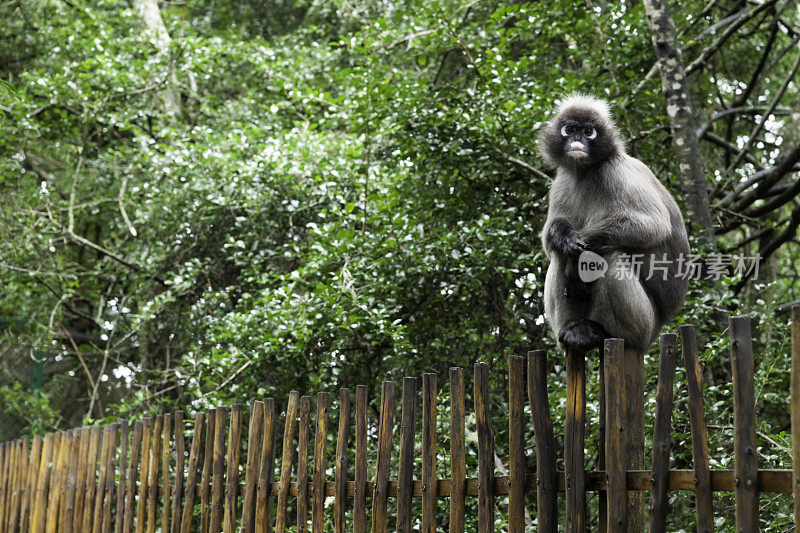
(582, 134)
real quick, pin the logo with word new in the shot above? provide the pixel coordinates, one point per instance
(591, 266)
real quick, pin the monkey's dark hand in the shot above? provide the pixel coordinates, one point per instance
(564, 239)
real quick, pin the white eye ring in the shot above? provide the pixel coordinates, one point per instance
(564, 131)
(592, 135)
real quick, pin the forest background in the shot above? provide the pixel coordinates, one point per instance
(207, 202)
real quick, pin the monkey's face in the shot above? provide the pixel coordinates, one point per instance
(578, 137)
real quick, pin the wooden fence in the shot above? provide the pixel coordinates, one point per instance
(123, 479)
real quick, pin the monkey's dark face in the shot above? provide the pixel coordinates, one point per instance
(578, 139)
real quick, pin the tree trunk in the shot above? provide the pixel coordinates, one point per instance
(681, 117)
(150, 14)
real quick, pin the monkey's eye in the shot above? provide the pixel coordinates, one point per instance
(590, 132)
(566, 131)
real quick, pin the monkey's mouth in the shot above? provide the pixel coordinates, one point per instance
(577, 150)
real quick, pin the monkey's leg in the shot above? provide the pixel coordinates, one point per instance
(568, 313)
(621, 306)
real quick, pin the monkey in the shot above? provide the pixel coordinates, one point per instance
(605, 202)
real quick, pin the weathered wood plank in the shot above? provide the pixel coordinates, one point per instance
(744, 424)
(218, 471)
(24, 485)
(166, 484)
(232, 474)
(282, 519)
(340, 472)
(385, 430)
(54, 498)
(177, 490)
(29, 499)
(574, 442)
(133, 475)
(254, 440)
(91, 478)
(360, 483)
(320, 444)
(110, 479)
(405, 470)
(124, 437)
(191, 481)
(429, 484)
(659, 505)
(616, 422)
(694, 386)
(83, 437)
(109, 442)
(39, 516)
(485, 449)
(458, 467)
(152, 482)
(633, 368)
(302, 464)
(264, 498)
(795, 410)
(516, 444)
(205, 479)
(144, 475)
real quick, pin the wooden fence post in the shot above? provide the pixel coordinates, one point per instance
(485, 449)
(384, 458)
(205, 479)
(661, 435)
(574, 441)
(177, 491)
(302, 464)
(232, 473)
(320, 441)
(429, 480)
(254, 438)
(282, 518)
(616, 435)
(266, 471)
(218, 472)
(694, 380)
(405, 471)
(744, 425)
(546, 475)
(340, 472)
(191, 482)
(123, 471)
(633, 368)
(360, 503)
(516, 444)
(458, 468)
(795, 412)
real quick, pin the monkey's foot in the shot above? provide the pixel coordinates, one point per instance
(582, 334)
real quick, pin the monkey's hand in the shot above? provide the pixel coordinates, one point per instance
(564, 239)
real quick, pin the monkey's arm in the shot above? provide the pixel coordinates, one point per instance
(559, 236)
(636, 231)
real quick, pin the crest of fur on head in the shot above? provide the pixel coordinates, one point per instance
(581, 107)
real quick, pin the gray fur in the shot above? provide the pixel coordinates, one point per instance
(617, 206)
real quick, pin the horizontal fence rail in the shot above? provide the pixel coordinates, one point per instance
(278, 470)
